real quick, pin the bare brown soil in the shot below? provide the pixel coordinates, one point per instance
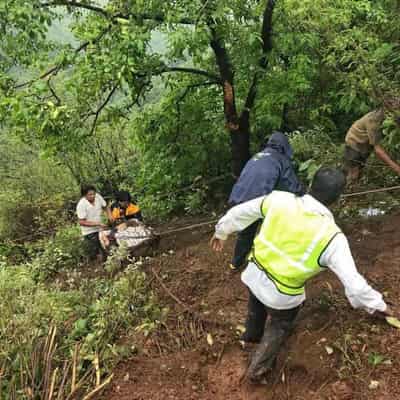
(195, 354)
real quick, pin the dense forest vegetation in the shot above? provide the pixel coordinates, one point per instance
(155, 97)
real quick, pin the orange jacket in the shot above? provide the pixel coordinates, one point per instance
(132, 211)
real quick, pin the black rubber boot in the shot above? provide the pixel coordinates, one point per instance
(256, 317)
(278, 329)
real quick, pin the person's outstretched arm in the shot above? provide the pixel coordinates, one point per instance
(360, 294)
(236, 219)
(384, 156)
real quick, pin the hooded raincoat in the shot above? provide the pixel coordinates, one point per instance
(271, 169)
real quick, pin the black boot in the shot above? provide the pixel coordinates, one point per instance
(276, 332)
(255, 322)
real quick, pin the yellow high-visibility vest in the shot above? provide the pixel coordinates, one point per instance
(290, 241)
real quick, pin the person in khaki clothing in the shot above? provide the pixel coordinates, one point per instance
(361, 139)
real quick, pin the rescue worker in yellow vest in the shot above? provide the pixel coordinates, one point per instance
(297, 240)
(123, 209)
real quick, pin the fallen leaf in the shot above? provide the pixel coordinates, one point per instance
(210, 339)
(393, 321)
(373, 385)
(329, 287)
(329, 350)
(364, 348)
(240, 328)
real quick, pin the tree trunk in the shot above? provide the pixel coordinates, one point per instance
(240, 142)
(239, 129)
(239, 133)
(239, 126)
(240, 147)
(285, 118)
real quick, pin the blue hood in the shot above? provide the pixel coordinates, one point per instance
(268, 170)
(279, 142)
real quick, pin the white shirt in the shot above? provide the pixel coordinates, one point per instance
(91, 212)
(337, 256)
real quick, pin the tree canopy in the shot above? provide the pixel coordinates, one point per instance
(164, 83)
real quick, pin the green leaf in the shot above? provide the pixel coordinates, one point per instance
(305, 165)
(375, 359)
(122, 21)
(393, 321)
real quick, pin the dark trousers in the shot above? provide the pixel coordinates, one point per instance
(93, 245)
(244, 244)
(269, 334)
(353, 159)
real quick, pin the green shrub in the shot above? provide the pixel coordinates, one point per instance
(64, 251)
(115, 308)
(93, 317)
(35, 202)
(312, 149)
(118, 257)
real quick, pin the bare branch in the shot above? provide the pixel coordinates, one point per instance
(123, 112)
(194, 86)
(53, 92)
(54, 70)
(138, 95)
(266, 36)
(161, 18)
(251, 95)
(226, 72)
(76, 4)
(266, 32)
(12, 177)
(51, 71)
(207, 74)
(100, 109)
(165, 69)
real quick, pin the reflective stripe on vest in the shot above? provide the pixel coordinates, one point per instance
(291, 241)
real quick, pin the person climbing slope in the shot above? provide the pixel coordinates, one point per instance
(269, 169)
(297, 240)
